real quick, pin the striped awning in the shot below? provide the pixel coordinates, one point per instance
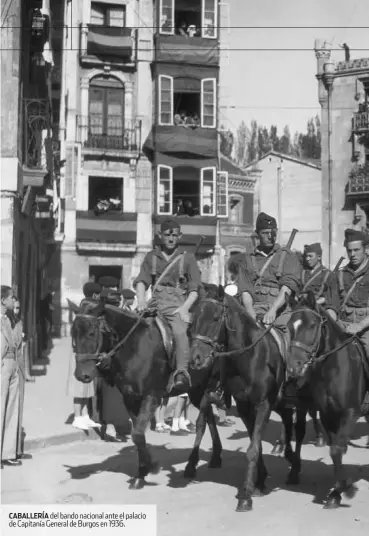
(109, 41)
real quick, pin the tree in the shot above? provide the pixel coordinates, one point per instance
(273, 136)
(254, 142)
(226, 142)
(242, 142)
(285, 144)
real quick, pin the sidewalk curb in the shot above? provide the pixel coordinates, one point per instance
(60, 439)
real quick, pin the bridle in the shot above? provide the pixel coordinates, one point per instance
(97, 356)
(313, 350)
(213, 342)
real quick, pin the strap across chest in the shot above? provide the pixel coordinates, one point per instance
(348, 294)
(312, 278)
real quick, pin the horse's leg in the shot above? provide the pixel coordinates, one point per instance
(257, 422)
(280, 444)
(262, 473)
(216, 456)
(287, 420)
(300, 430)
(338, 448)
(145, 463)
(367, 439)
(319, 436)
(193, 460)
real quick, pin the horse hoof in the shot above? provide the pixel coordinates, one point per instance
(155, 468)
(332, 503)
(215, 463)
(350, 491)
(293, 479)
(259, 492)
(137, 483)
(320, 442)
(244, 505)
(189, 472)
(278, 449)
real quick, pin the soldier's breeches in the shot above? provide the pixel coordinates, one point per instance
(179, 330)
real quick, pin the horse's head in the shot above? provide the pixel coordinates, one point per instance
(88, 338)
(207, 330)
(305, 325)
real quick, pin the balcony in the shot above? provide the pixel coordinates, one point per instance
(108, 45)
(358, 184)
(110, 135)
(113, 231)
(360, 122)
(38, 145)
(184, 50)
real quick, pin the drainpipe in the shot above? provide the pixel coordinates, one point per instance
(328, 79)
(279, 195)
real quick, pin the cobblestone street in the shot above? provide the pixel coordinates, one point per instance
(98, 472)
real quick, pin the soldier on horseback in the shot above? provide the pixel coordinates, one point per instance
(321, 281)
(176, 293)
(353, 283)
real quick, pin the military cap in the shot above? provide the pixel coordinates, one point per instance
(313, 248)
(264, 221)
(108, 281)
(352, 235)
(110, 296)
(169, 224)
(90, 288)
(128, 294)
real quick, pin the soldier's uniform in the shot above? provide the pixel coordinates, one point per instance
(171, 293)
(263, 276)
(354, 292)
(321, 281)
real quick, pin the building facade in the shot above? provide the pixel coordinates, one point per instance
(29, 159)
(290, 190)
(343, 89)
(130, 160)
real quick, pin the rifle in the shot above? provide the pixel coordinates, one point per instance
(284, 252)
(337, 267)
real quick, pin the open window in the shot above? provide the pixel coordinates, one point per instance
(191, 18)
(209, 15)
(165, 190)
(165, 100)
(103, 14)
(208, 103)
(208, 191)
(105, 195)
(222, 194)
(235, 204)
(166, 15)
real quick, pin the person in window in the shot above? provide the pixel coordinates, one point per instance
(180, 119)
(179, 208)
(182, 29)
(189, 210)
(165, 24)
(192, 30)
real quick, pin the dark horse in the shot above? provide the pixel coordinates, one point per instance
(335, 367)
(254, 371)
(140, 369)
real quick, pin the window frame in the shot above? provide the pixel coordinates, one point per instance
(106, 13)
(226, 194)
(203, 81)
(115, 84)
(202, 173)
(160, 122)
(171, 31)
(170, 181)
(215, 3)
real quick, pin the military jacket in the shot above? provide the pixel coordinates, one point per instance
(323, 283)
(354, 299)
(264, 284)
(185, 272)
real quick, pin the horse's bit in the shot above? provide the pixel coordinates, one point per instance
(102, 327)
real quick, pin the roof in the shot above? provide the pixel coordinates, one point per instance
(227, 165)
(311, 162)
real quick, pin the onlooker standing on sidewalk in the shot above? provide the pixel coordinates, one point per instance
(9, 383)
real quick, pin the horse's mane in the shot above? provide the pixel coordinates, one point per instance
(236, 308)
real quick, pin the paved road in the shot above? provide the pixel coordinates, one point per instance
(98, 472)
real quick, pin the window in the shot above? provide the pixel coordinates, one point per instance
(209, 18)
(235, 209)
(208, 103)
(97, 271)
(166, 17)
(105, 195)
(207, 204)
(222, 194)
(165, 100)
(106, 114)
(165, 190)
(108, 15)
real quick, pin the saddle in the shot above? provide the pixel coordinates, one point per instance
(165, 332)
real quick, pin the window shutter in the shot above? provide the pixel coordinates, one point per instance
(166, 22)
(208, 103)
(165, 100)
(209, 14)
(72, 167)
(164, 190)
(207, 197)
(222, 194)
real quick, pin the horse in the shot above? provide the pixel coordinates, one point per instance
(254, 372)
(140, 368)
(335, 368)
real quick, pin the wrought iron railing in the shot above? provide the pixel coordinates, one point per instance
(37, 134)
(359, 180)
(361, 122)
(99, 131)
